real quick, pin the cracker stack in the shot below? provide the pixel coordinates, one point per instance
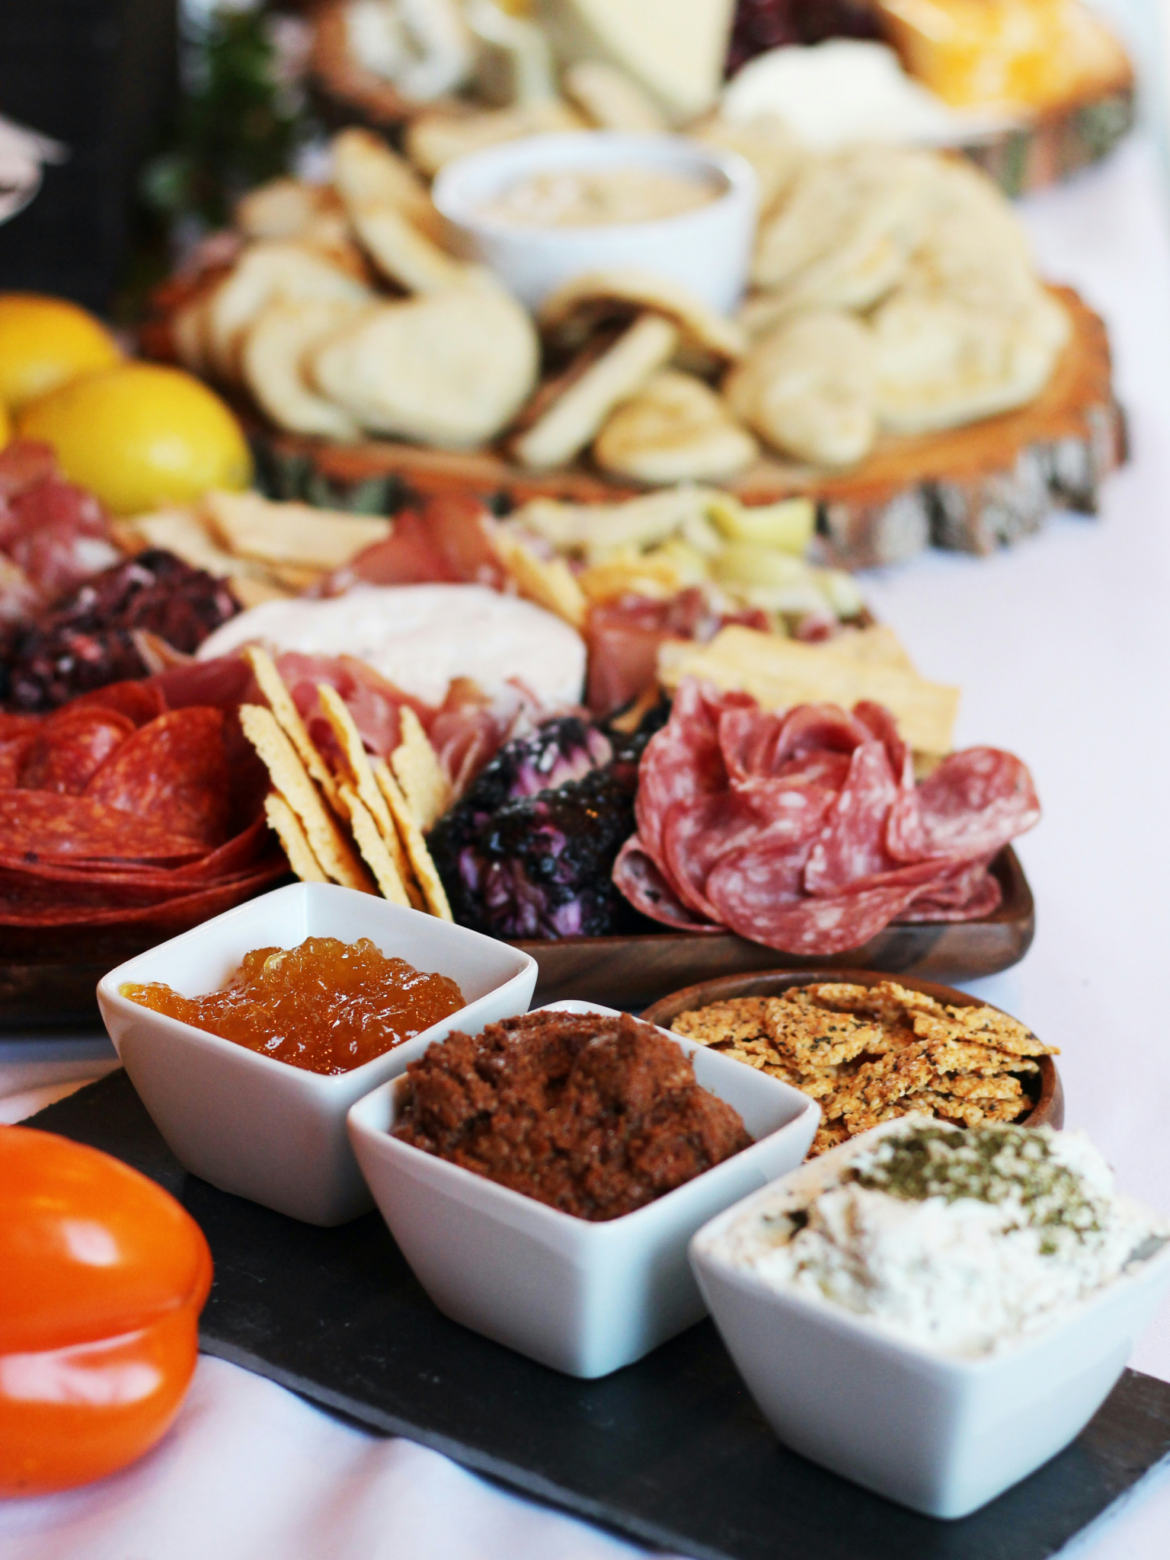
(872, 1053)
(359, 823)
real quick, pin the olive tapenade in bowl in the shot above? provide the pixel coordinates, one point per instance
(543, 1177)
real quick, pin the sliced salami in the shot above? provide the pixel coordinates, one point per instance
(975, 801)
(41, 825)
(71, 747)
(172, 772)
(806, 831)
(648, 890)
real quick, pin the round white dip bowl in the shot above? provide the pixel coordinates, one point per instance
(706, 250)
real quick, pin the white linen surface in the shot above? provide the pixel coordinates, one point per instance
(1062, 649)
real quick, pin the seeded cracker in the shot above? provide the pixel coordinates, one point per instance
(291, 779)
(416, 847)
(287, 827)
(280, 702)
(357, 760)
(417, 769)
(871, 1054)
(740, 1019)
(815, 1036)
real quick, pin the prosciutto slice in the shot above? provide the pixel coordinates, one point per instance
(806, 830)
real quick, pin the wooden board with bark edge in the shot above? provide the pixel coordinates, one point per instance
(347, 86)
(970, 489)
(1048, 149)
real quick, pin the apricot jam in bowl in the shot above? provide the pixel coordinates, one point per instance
(249, 1038)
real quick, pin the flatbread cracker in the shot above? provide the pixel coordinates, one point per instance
(280, 702)
(285, 824)
(376, 853)
(573, 421)
(416, 847)
(291, 534)
(416, 767)
(291, 779)
(550, 583)
(358, 762)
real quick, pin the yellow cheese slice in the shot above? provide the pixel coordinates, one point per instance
(673, 48)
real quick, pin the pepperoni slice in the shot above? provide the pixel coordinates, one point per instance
(172, 773)
(138, 701)
(70, 747)
(38, 825)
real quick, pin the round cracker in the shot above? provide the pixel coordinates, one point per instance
(675, 429)
(450, 368)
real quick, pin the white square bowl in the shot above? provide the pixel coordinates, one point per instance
(940, 1434)
(583, 1297)
(262, 1128)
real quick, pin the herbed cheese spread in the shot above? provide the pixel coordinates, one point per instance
(599, 197)
(959, 1241)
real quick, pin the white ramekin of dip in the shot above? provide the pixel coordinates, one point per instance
(542, 211)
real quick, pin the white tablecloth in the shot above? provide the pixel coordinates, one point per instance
(1062, 648)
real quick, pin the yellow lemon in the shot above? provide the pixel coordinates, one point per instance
(141, 435)
(45, 342)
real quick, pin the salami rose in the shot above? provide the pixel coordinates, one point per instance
(806, 831)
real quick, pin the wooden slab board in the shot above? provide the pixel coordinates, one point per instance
(1048, 150)
(56, 986)
(970, 489)
(670, 1452)
(631, 971)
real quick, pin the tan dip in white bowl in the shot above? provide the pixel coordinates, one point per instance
(543, 211)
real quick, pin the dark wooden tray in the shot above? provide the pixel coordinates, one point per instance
(632, 971)
(627, 971)
(671, 1452)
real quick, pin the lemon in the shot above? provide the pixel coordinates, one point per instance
(141, 435)
(45, 342)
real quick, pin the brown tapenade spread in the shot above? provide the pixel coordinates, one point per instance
(595, 1116)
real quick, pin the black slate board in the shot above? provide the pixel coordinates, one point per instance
(671, 1451)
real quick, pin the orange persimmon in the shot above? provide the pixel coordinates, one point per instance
(102, 1279)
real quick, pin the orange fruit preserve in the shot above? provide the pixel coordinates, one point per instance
(327, 1006)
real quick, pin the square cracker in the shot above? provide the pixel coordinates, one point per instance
(291, 779)
(418, 771)
(285, 824)
(374, 849)
(358, 762)
(416, 847)
(280, 701)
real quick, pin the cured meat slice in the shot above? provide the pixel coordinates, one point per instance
(647, 890)
(975, 801)
(683, 761)
(964, 893)
(12, 754)
(138, 701)
(42, 824)
(71, 747)
(853, 843)
(805, 831)
(172, 773)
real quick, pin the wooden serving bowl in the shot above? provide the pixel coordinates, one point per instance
(1044, 1088)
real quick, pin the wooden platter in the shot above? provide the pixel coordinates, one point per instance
(632, 971)
(670, 1452)
(1047, 150)
(1044, 1088)
(51, 983)
(971, 489)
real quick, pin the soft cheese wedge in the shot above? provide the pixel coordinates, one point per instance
(673, 48)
